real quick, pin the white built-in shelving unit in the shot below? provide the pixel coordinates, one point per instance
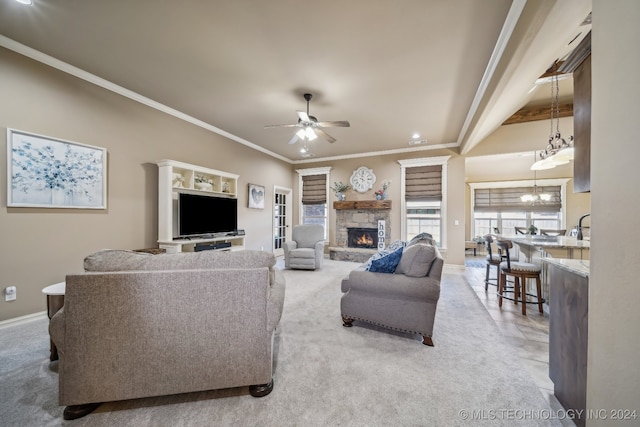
(176, 177)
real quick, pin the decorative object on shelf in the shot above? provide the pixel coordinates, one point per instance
(362, 179)
(534, 197)
(203, 183)
(340, 188)
(45, 172)
(178, 180)
(381, 194)
(256, 196)
(225, 187)
(558, 151)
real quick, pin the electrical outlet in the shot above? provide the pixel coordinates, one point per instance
(10, 293)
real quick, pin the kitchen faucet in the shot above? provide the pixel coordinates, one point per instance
(579, 236)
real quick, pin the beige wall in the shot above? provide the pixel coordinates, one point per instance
(40, 246)
(613, 380)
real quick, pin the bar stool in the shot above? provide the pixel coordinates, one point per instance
(520, 271)
(492, 260)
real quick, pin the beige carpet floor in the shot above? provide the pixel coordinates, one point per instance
(325, 374)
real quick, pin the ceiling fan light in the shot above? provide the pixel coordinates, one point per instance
(301, 134)
(311, 135)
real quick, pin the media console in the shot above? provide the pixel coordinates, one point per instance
(176, 177)
(221, 243)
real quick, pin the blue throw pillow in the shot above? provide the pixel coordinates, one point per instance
(386, 263)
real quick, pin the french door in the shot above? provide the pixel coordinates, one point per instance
(281, 218)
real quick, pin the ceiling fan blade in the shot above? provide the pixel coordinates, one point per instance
(303, 116)
(324, 135)
(294, 139)
(281, 126)
(335, 124)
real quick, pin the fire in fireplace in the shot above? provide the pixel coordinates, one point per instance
(362, 238)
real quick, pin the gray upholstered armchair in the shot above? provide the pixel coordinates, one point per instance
(306, 248)
(405, 300)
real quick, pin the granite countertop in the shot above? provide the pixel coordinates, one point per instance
(552, 242)
(577, 266)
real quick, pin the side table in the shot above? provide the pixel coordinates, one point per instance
(55, 301)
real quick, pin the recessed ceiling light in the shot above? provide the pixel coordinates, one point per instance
(27, 2)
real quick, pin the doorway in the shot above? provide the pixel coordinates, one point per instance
(281, 218)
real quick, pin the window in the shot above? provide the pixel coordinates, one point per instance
(424, 197)
(424, 217)
(498, 205)
(485, 222)
(313, 185)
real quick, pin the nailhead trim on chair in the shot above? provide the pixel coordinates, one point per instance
(520, 266)
(386, 326)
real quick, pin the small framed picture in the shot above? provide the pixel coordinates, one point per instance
(256, 196)
(45, 172)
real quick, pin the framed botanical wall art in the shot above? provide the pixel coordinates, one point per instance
(256, 196)
(47, 172)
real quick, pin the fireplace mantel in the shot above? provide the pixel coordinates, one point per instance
(362, 204)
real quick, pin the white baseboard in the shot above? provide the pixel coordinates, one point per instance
(23, 319)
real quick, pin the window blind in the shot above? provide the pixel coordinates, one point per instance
(508, 200)
(423, 183)
(314, 189)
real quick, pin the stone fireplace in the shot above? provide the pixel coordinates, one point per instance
(354, 217)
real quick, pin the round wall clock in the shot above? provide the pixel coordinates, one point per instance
(362, 179)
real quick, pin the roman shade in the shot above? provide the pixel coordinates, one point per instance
(424, 183)
(508, 199)
(314, 189)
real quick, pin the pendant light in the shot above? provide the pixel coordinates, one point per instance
(559, 151)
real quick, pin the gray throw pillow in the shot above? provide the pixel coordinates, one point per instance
(416, 260)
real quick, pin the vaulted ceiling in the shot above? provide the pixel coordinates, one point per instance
(451, 71)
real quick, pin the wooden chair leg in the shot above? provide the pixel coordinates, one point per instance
(516, 289)
(539, 290)
(500, 288)
(524, 296)
(486, 279)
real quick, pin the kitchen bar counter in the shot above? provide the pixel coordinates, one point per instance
(568, 329)
(576, 266)
(529, 244)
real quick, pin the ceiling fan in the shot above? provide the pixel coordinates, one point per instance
(310, 127)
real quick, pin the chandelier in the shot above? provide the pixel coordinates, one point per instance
(559, 151)
(535, 197)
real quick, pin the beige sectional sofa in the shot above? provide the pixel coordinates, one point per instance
(138, 325)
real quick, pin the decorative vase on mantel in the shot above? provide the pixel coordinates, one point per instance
(341, 197)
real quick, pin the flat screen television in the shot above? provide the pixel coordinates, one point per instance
(203, 215)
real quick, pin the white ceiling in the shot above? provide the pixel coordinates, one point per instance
(451, 70)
